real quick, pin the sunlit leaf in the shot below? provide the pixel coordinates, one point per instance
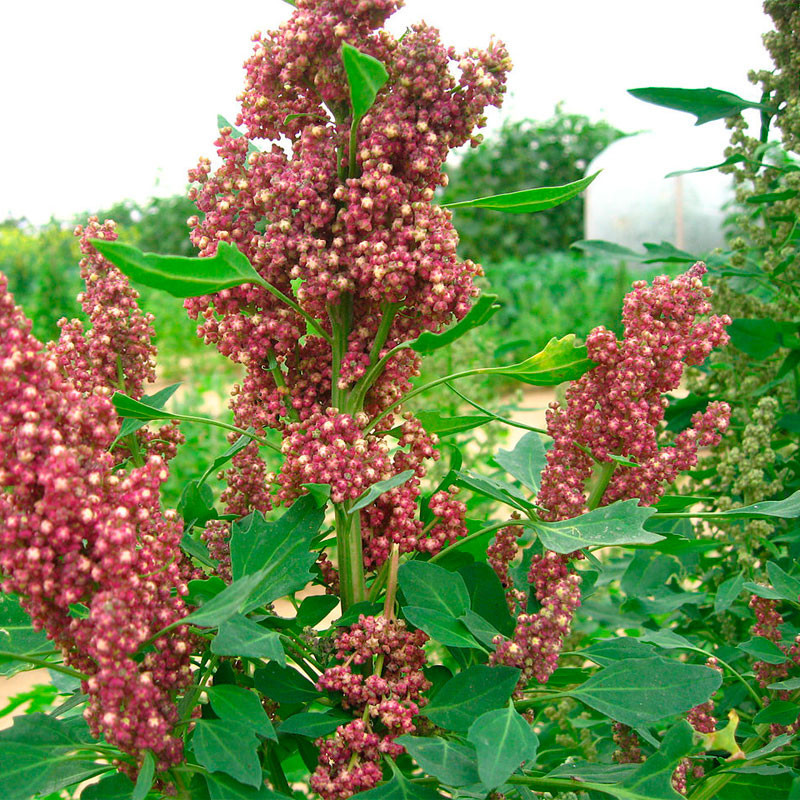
(484, 308)
(181, 276)
(229, 747)
(452, 763)
(366, 76)
(620, 523)
(241, 706)
(379, 488)
(528, 201)
(561, 360)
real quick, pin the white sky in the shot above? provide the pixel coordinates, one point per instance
(103, 100)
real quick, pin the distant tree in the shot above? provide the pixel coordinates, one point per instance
(525, 154)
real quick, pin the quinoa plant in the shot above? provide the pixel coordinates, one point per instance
(335, 623)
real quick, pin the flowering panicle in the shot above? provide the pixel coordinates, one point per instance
(617, 407)
(117, 351)
(354, 237)
(387, 700)
(73, 530)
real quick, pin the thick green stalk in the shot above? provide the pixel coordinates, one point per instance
(351, 562)
(599, 483)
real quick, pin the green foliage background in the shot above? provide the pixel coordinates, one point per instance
(525, 154)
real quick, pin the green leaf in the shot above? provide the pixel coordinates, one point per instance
(399, 788)
(221, 787)
(667, 639)
(561, 360)
(727, 592)
(315, 608)
(528, 201)
(706, 104)
(229, 747)
(762, 591)
(17, 635)
(480, 628)
(241, 706)
(110, 787)
(487, 596)
(284, 684)
(759, 338)
(644, 691)
(526, 461)
(788, 685)
(433, 587)
(225, 457)
(144, 781)
(280, 549)
(366, 76)
(779, 712)
(736, 158)
(197, 550)
(772, 197)
(469, 694)
(312, 724)
(764, 650)
(503, 740)
(451, 763)
(38, 756)
(321, 492)
(156, 400)
(620, 523)
(243, 637)
(603, 248)
(484, 308)
(611, 651)
(196, 504)
(379, 488)
(229, 602)
(490, 487)
(678, 502)
(434, 422)
(653, 779)
(181, 276)
(440, 626)
(785, 584)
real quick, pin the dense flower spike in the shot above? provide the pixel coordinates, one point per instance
(617, 407)
(353, 237)
(117, 351)
(614, 409)
(386, 700)
(538, 638)
(75, 531)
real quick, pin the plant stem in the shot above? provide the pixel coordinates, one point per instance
(41, 662)
(420, 389)
(351, 562)
(505, 420)
(341, 317)
(493, 527)
(599, 483)
(391, 588)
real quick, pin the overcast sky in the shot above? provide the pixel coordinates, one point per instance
(104, 100)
